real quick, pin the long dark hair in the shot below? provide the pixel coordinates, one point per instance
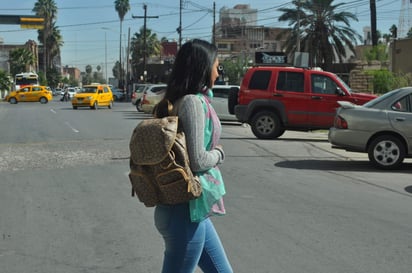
(191, 71)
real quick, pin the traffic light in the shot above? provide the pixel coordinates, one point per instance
(31, 22)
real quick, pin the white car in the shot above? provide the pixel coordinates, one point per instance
(220, 101)
(151, 96)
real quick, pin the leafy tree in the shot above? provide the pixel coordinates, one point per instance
(394, 31)
(54, 77)
(89, 69)
(5, 83)
(153, 46)
(21, 60)
(409, 34)
(321, 30)
(117, 69)
(122, 7)
(88, 77)
(234, 69)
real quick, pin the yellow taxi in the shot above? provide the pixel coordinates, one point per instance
(93, 96)
(34, 93)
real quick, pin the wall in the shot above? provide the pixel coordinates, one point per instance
(400, 52)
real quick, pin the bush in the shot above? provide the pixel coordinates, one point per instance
(384, 80)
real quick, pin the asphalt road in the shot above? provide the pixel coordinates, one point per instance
(293, 205)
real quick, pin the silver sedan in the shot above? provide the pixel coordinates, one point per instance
(382, 128)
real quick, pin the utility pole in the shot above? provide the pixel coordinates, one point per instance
(179, 29)
(214, 24)
(144, 35)
(372, 5)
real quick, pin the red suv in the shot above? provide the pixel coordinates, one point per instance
(275, 99)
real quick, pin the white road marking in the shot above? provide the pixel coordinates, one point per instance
(71, 127)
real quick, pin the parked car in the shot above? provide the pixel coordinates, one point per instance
(151, 96)
(29, 93)
(220, 101)
(275, 99)
(57, 91)
(93, 96)
(137, 94)
(382, 128)
(118, 94)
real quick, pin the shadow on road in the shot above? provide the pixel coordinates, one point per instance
(133, 114)
(338, 165)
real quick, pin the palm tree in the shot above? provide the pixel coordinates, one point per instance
(21, 59)
(53, 43)
(122, 7)
(322, 32)
(152, 48)
(5, 82)
(48, 10)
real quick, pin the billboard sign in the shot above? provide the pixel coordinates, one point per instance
(270, 58)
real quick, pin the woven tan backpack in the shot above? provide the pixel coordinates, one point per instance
(159, 163)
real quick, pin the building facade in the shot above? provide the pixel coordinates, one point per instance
(238, 35)
(6, 49)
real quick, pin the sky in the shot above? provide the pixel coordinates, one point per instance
(91, 29)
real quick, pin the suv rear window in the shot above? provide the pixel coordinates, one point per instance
(290, 81)
(260, 80)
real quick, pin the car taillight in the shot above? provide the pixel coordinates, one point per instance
(134, 95)
(340, 123)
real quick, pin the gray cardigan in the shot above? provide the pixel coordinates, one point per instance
(192, 119)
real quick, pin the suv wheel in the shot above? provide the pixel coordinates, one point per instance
(386, 152)
(232, 100)
(266, 125)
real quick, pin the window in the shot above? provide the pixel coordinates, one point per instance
(403, 105)
(260, 80)
(220, 92)
(323, 85)
(222, 46)
(290, 81)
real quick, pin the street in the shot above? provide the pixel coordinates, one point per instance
(294, 205)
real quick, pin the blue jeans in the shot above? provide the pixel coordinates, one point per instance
(188, 244)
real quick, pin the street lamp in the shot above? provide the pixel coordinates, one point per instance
(105, 54)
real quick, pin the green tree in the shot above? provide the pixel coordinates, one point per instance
(394, 31)
(234, 69)
(117, 70)
(409, 34)
(153, 46)
(21, 60)
(54, 77)
(122, 7)
(5, 83)
(322, 31)
(87, 77)
(48, 10)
